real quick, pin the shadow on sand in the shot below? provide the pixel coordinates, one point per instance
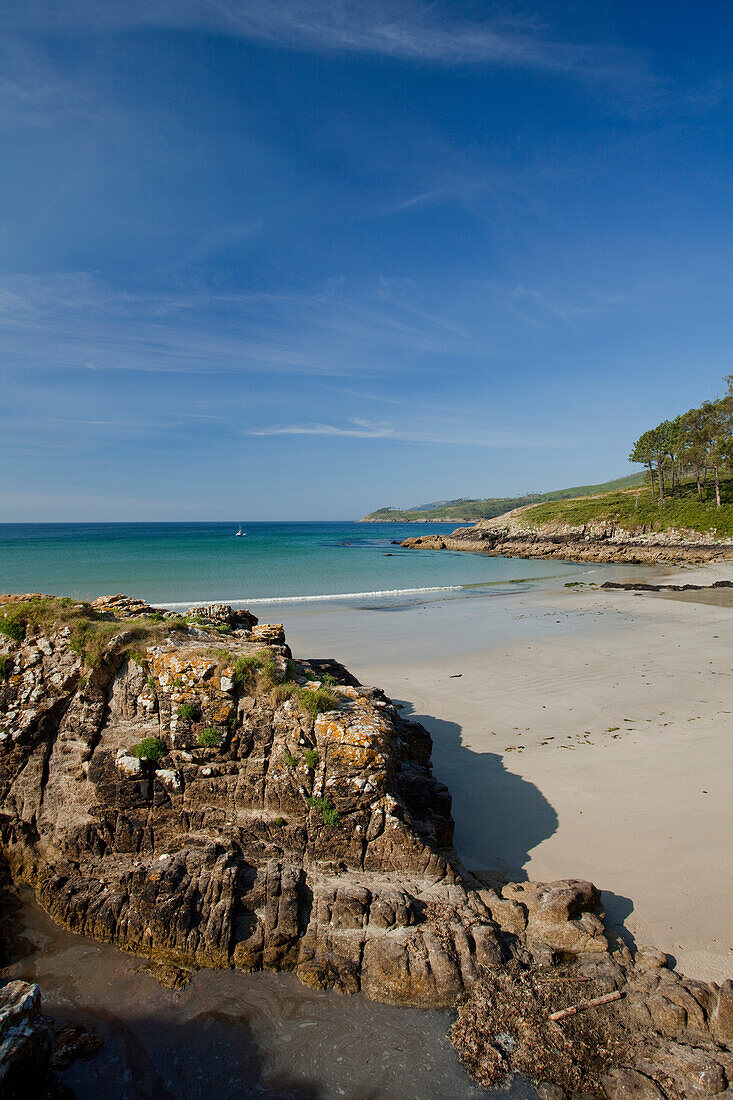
(617, 909)
(499, 816)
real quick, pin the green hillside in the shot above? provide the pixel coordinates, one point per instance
(631, 509)
(473, 510)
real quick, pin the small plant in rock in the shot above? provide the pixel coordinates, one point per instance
(245, 671)
(151, 682)
(328, 680)
(329, 814)
(187, 711)
(312, 758)
(210, 738)
(317, 702)
(156, 617)
(179, 623)
(83, 681)
(284, 691)
(268, 674)
(280, 821)
(6, 666)
(150, 748)
(290, 760)
(12, 625)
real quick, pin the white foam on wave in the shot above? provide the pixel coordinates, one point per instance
(324, 597)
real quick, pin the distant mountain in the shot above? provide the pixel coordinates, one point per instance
(470, 510)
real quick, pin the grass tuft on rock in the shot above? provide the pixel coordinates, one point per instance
(90, 631)
(255, 671)
(311, 702)
(318, 701)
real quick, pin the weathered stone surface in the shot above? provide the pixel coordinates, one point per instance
(622, 1083)
(722, 1015)
(650, 958)
(695, 1072)
(19, 1036)
(32, 1045)
(560, 915)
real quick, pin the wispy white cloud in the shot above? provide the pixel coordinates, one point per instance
(408, 30)
(78, 321)
(465, 434)
(362, 429)
(32, 91)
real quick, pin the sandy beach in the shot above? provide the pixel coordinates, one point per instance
(582, 733)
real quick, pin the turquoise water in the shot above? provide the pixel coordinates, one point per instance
(184, 563)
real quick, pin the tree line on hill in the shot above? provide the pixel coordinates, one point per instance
(696, 442)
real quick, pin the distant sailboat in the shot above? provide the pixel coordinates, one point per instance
(240, 534)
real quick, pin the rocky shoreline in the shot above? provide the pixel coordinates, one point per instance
(511, 535)
(293, 823)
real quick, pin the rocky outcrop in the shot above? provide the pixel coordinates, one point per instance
(514, 535)
(309, 838)
(33, 1046)
(203, 799)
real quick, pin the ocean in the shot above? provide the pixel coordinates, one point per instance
(179, 564)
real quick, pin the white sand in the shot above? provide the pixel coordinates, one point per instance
(590, 734)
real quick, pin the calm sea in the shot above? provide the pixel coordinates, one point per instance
(179, 564)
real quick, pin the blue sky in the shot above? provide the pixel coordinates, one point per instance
(303, 259)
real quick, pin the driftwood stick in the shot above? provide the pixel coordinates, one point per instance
(604, 1000)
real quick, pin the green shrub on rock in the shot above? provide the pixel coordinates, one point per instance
(210, 738)
(187, 711)
(329, 814)
(150, 748)
(12, 625)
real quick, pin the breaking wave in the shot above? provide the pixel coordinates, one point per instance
(322, 598)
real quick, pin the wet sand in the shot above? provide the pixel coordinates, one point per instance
(230, 1035)
(582, 733)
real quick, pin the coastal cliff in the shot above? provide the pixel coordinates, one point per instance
(185, 789)
(518, 534)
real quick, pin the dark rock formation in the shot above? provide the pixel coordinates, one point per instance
(293, 823)
(34, 1046)
(511, 535)
(641, 586)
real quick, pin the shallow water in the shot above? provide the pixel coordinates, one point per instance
(177, 564)
(229, 1035)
